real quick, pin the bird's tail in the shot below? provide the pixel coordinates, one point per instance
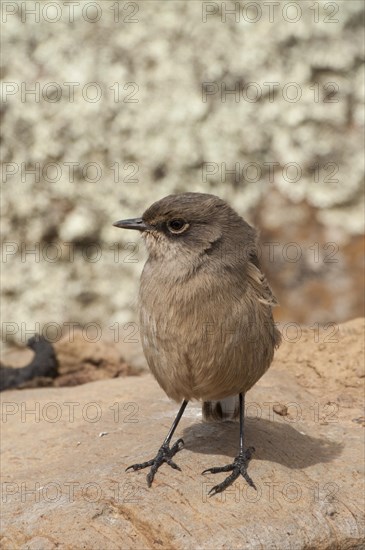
(224, 409)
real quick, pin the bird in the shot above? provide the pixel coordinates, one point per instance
(205, 313)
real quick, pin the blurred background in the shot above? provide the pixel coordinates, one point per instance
(109, 106)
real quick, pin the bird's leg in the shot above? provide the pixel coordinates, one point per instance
(165, 453)
(240, 463)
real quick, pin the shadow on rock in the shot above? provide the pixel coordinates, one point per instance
(274, 441)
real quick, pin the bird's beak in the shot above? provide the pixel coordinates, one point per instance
(134, 223)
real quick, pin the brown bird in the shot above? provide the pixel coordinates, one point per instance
(205, 314)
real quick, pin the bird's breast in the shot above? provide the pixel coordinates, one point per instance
(204, 341)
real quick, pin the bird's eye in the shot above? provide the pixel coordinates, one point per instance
(177, 226)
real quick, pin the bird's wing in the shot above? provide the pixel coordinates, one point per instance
(259, 282)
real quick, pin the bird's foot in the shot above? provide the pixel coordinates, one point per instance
(239, 467)
(165, 454)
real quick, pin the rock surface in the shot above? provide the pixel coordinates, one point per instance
(43, 365)
(80, 361)
(65, 451)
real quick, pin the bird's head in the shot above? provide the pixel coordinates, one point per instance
(190, 228)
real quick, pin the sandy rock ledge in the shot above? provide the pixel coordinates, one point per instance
(65, 451)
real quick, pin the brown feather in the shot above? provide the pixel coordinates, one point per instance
(205, 306)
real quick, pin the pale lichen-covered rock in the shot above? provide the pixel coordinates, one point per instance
(151, 133)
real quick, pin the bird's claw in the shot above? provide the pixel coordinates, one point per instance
(238, 467)
(165, 454)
